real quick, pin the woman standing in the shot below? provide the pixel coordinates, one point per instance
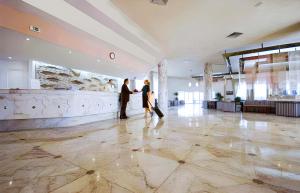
(146, 96)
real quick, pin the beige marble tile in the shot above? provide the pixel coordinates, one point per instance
(170, 149)
(37, 171)
(218, 152)
(94, 183)
(245, 188)
(189, 178)
(141, 173)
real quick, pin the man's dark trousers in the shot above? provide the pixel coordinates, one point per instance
(123, 109)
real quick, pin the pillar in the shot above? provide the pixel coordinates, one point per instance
(163, 86)
(150, 77)
(207, 77)
(132, 83)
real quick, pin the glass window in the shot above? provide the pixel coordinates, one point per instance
(181, 95)
(260, 91)
(196, 97)
(242, 90)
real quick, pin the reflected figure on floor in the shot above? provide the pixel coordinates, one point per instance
(146, 129)
(146, 98)
(124, 98)
(159, 124)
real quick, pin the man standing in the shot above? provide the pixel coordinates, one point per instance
(109, 86)
(125, 92)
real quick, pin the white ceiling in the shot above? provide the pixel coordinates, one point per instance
(77, 17)
(196, 30)
(15, 45)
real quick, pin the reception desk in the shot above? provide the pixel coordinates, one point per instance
(30, 109)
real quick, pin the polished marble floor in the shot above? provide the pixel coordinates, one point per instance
(191, 151)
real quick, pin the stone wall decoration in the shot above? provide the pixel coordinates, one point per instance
(61, 78)
(76, 82)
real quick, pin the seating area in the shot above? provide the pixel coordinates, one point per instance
(280, 108)
(259, 106)
(209, 104)
(229, 106)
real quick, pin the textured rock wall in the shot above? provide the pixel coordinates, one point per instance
(57, 77)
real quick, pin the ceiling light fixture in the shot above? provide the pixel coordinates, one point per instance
(9, 57)
(197, 84)
(258, 4)
(235, 35)
(98, 60)
(70, 52)
(27, 39)
(190, 84)
(159, 2)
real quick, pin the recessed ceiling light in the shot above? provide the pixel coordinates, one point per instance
(258, 4)
(9, 57)
(98, 60)
(70, 52)
(159, 2)
(27, 39)
(235, 35)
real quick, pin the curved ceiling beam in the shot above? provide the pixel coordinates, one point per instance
(75, 40)
(108, 14)
(69, 14)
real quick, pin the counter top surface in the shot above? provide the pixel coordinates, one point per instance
(39, 104)
(45, 91)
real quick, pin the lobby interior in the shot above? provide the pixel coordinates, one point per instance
(225, 74)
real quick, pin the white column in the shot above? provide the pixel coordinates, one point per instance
(208, 81)
(132, 83)
(150, 77)
(33, 82)
(163, 86)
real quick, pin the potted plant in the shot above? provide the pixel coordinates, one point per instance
(176, 95)
(219, 96)
(238, 106)
(237, 100)
(176, 99)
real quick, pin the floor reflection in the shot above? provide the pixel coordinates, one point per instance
(191, 150)
(190, 110)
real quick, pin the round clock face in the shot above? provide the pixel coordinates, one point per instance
(112, 55)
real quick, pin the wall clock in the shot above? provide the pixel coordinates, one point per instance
(112, 55)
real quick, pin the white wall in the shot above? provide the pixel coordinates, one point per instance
(176, 84)
(182, 84)
(14, 74)
(218, 87)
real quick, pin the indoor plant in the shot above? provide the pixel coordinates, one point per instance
(237, 100)
(219, 96)
(176, 99)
